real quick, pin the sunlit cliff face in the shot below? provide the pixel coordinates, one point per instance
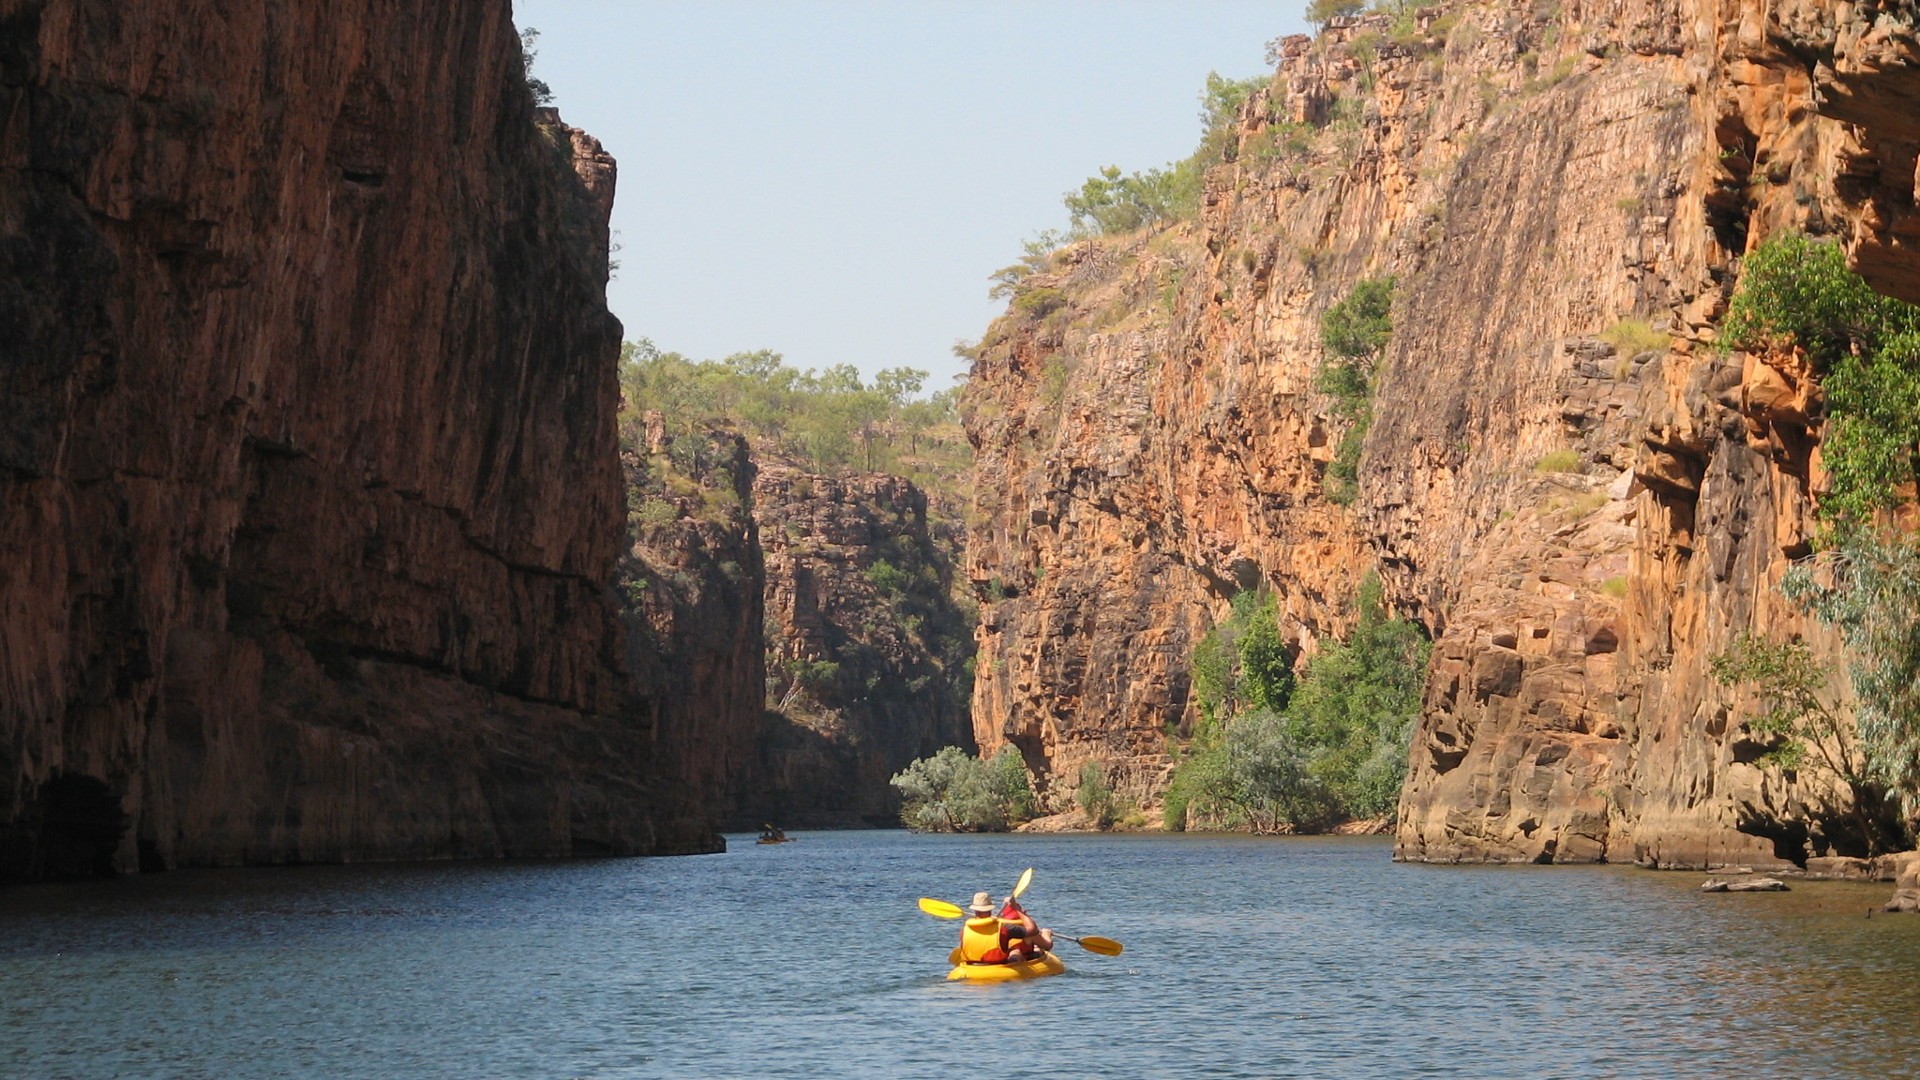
(1563, 480)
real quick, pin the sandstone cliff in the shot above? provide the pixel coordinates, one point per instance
(691, 584)
(867, 649)
(1564, 481)
(308, 484)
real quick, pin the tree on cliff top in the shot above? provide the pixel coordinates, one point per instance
(831, 420)
(1113, 202)
(1322, 12)
(537, 89)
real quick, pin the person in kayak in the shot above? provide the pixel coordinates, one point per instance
(1024, 939)
(981, 941)
(1009, 938)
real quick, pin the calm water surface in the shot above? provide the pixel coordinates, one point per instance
(1245, 958)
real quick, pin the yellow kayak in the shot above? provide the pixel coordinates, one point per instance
(1048, 964)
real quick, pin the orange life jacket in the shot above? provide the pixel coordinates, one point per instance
(980, 941)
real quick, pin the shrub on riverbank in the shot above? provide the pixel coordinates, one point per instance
(952, 791)
(1334, 749)
(1095, 796)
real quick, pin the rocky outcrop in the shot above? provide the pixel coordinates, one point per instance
(1565, 480)
(691, 585)
(308, 483)
(1863, 60)
(1906, 882)
(867, 649)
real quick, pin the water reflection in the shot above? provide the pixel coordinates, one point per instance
(1245, 958)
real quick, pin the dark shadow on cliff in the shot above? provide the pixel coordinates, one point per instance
(70, 831)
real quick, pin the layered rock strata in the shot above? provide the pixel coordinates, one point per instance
(1564, 480)
(308, 483)
(867, 648)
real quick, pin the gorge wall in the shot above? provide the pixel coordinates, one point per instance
(1579, 496)
(868, 651)
(691, 585)
(308, 476)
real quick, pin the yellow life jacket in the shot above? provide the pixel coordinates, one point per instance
(980, 939)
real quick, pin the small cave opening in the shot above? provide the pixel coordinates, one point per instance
(1789, 837)
(71, 830)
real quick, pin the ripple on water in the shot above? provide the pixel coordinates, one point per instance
(1245, 958)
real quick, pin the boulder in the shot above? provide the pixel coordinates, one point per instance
(1842, 868)
(1906, 881)
(1760, 884)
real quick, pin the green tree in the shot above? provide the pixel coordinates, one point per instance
(1266, 667)
(537, 89)
(1358, 327)
(1797, 293)
(1213, 674)
(1221, 101)
(831, 419)
(953, 791)
(1356, 704)
(1114, 202)
(1111, 203)
(1873, 434)
(1355, 330)
(1094, 796)
(1278, 754)
(1868, 586)
(1322, 12)
(1803, 731)
(1253, 776)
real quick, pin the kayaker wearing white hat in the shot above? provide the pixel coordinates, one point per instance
(980, 934)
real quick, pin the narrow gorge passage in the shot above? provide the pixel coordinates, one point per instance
(448, 449)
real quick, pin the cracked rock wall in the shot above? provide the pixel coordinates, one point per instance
(308, 481)
(1566, 482)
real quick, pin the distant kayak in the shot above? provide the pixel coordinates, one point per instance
(1048, 964)
(775, 840)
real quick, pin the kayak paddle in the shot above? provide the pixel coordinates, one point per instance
(1105, 946)
(940, 909)
(1026, 879)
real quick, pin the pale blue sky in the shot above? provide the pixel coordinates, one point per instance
(835, 180)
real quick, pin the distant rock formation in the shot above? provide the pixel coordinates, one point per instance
(867, 647)
(1906, 882)
(691, 589)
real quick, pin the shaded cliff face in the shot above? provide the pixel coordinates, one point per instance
(308, 483)
(1563, 481)
(867, 649)
(691, 585)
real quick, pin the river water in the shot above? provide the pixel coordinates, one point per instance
(1245, 958)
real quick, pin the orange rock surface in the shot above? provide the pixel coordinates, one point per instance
(1578, 495)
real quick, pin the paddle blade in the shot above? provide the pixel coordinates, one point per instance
(1026, 879)
(1105, 946)
(940, 909)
